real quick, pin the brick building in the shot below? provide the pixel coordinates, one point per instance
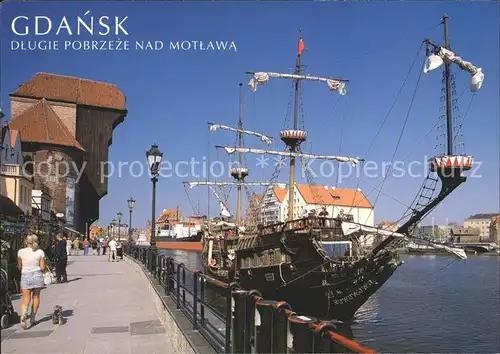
(495, 229)
(466, 234)
(68, 119)
(481, 222)
(168, 218)
(253, 216)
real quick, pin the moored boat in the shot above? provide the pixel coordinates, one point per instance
(318, 263)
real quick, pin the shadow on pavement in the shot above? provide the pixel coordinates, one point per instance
(65, 313)
(74, 279)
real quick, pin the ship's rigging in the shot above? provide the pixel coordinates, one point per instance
(318, 257)
(294, 137)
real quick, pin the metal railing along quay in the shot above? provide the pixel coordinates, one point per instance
(235, 320)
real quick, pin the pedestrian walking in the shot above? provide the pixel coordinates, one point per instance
(99, 244)
(68, 245)
(86, 245)
(76, 245)
(31, 263)
(112, 251)
(61, 258)
(104, 246)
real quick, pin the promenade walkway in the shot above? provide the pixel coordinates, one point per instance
(108, 310)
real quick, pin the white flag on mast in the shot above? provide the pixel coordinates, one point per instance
(223, 210)
(222, 207)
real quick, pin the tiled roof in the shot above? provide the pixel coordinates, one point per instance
(40, 124)
(280, 193)
(482, 216)
(72, 89)
(327, 196)
(168, 215)
(333, 196)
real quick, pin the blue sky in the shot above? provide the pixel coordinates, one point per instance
(171, 95)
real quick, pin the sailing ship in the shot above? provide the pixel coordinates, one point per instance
(297, 261)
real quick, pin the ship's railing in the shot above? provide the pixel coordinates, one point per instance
(235, 320)
(306, 223)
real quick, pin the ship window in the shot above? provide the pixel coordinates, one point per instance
(338, 249)
(266, 258)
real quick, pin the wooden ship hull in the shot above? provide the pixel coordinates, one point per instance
(293, 266)
(336, 293)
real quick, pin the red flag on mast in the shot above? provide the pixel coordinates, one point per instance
(302, 47)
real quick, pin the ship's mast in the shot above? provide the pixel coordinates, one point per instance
(448, 168)
(294, 146)
(240, 156)
(447, 76)
(239, 173)
(293, 136)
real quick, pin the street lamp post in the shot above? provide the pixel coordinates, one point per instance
(131, 205)
(119, 216)
(113, 224)
(154, 156)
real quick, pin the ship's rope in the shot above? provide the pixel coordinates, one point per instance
(459, 128)
(303, 275)
(408, 155)
(196, 211)
(398, 142)
(207, 173)
(342, 119)
(308, 170)
(410, 209)
(289, 106)
(274, 177)
(302, 124)
(310, 182)
(252, 212)
(385, 120)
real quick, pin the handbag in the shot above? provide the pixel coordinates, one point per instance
(48, 277)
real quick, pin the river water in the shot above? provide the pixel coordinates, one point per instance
(431, 304)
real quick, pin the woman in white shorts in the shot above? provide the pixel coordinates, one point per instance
(31, 263)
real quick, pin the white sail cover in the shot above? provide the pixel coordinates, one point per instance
(262, 137)
(262, 78)
(220, 184)
(349, 228)
(436, 60)
(222, 207)
(232, 150)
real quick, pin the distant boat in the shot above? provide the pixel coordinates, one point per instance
(414, 248)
